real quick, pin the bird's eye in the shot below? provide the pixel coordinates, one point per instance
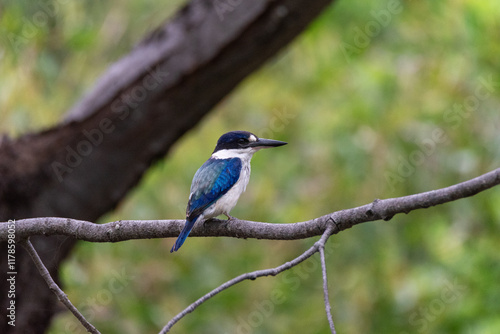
(242, 141)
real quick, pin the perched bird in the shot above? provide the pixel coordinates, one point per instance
(221, 180)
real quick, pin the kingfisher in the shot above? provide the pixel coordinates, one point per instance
(220, 181)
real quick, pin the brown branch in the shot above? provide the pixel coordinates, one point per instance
(143, 229)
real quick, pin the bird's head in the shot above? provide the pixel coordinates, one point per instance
(244, 142)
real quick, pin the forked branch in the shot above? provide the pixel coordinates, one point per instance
(325, 226)
(252, 276)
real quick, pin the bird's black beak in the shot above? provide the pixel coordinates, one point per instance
(267, 143)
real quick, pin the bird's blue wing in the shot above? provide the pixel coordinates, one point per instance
(214, 178)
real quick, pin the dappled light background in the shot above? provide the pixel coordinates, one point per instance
(377, 99)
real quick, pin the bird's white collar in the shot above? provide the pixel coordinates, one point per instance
(244, 153)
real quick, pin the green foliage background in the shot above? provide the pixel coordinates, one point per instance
(369, 102)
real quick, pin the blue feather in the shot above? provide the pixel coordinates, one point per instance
(184, 234)
(214, 179)
(211, 182)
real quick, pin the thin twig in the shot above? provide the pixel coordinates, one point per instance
(321, 248)
(55, 288)
(249, 276)
(328, 309)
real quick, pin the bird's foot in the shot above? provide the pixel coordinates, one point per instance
(229, 217)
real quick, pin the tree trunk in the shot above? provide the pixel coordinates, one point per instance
(136, 111)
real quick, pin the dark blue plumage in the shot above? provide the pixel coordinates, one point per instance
(212, 180)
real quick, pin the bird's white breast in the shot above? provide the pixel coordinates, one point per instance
(227, 202)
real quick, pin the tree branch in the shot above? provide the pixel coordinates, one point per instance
(328, 308)
(251, 276)
(325, 225)
(63, 298)
(144, 229)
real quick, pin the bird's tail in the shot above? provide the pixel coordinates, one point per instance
(184, 234)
